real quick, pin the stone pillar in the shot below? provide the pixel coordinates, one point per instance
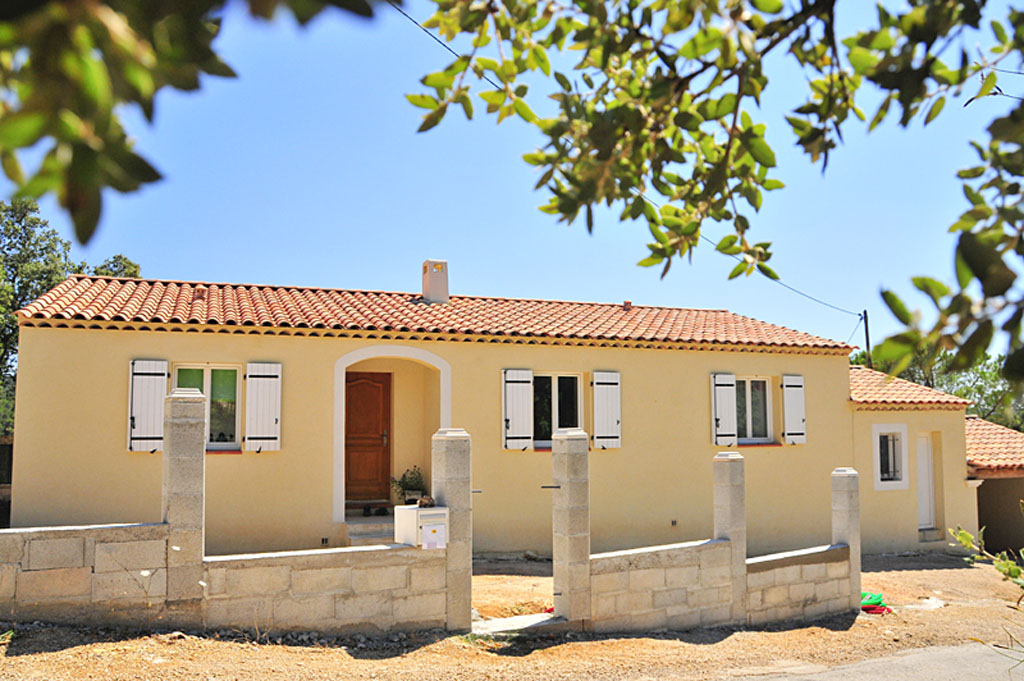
(846, 523)
(731, 523)
(184, 493)
(571, 524)
(451, 479)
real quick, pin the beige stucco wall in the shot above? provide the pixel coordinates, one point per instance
(889, 519)
(71, 463)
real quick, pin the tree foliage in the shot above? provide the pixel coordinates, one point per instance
(33, 259)
(660, 104)
(994, 397)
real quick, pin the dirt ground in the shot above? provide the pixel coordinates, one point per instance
(938, 601)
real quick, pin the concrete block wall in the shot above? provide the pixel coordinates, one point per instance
(799, 585)
(711, 582)
(367, 589)
(677, 586)
(155, 575)
(89, 574)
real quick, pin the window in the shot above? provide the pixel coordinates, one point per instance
(534, 406)
(890, 456)
(221, 386)
(753, 409)
(557, 403)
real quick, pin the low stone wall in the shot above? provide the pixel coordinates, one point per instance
(798, 584)
(677, 586)
(93, 574)
(702, 583)
(330, 590)
(156, 576)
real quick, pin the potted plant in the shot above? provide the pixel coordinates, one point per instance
(411, 486)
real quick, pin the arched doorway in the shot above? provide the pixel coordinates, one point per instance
(408, 441)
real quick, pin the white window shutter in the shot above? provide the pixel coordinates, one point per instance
(146, 392)
(517, 425)
(794, 430)
(723, 400)
(607, 410)
(262, 407)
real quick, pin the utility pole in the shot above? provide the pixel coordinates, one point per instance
(867, 339)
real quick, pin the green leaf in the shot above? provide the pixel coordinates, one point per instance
(493, 97)
(895, 348)
(767, 6)
(999, 32)
(769, 185)
(658, 234)
(862, 60)
(897, 307)
(971, 173)
(563, 81)
(963, 272)
(651, 260)
(467, 105)
(935, 110)
(11, 166)
(438, 80)
(21, 129)
(767, 271)
(974, 197)
(880, 115)
(524, 111)
(759, 149)
(726, 105)
(931, 287)
(423, 101)
(432, 118)
(974, 347)
(987, 85)
(986, 264)
(542, 59)
(726, 243)
(740, 268)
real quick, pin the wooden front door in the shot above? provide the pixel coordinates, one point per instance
(367, 435)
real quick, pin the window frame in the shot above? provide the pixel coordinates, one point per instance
(207, 369)
(899, 430)
(769, 425)
(554, 375)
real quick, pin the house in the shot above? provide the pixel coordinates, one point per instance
(318, 396)
(995, 457)
(908, 441)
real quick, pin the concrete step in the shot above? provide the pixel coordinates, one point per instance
(371, 539)
(370, 526)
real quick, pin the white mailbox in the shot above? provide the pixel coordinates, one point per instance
(410, 521)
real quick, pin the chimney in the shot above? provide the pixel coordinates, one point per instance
(435, 281)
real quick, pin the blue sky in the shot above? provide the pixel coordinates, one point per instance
(307, 170)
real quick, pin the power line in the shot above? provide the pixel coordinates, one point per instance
(641, 194)
(438, 40)
(860, 319)
(795, 290)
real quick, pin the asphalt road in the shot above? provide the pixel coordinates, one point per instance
(972, 662)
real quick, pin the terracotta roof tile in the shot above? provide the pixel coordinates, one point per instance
(991, 447)
(868, 386)
(151, 301)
